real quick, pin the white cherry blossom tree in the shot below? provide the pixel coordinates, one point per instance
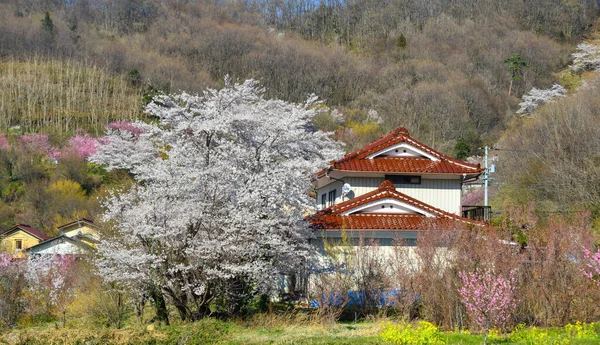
(536, 97)
(222, 189)
(586, 58)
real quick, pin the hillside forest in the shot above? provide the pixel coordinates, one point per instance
(439, 68)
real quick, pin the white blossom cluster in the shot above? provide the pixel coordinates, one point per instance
(338, 116)
(373, 116)
(50, 275)
(536, 97)
(587, 58)
(221, 194)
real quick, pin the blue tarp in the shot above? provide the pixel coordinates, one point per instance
(357, 299)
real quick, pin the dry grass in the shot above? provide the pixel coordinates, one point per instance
(61, 96)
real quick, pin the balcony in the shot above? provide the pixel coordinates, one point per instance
(480, 213)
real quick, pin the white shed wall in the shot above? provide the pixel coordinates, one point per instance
(61, 248)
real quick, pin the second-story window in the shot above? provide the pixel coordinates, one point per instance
(332, 195)
(19, 244)
(323, 201)
(403, 179)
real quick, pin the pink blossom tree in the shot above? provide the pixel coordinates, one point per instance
(38, 142)
(489, 298)
(83, 144)
(52, 280)
(12, 301)
(591, 267)
(125, 126)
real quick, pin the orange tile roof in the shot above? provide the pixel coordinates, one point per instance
(359, 161)
(333, 218)
(384, 222)
(403, 165)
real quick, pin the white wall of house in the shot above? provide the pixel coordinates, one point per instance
(61, 248)
(444, 194)
(337, 186)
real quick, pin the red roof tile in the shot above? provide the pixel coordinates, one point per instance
(404, 165)
(359, 161)
(28, 229)
(384, 222)
(334, 217)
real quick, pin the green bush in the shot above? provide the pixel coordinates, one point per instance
(581, 330)
(205, 331)
(404, 333)
(555, 336)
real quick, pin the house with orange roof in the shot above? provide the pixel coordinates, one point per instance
(391, 189)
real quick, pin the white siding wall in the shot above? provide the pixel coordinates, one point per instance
(444, 194)
(363, 185)
(337, 185)
(61, 248)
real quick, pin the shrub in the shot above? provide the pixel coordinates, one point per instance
(581, 330)
(558, 336)
(204, 331)
(424, 333)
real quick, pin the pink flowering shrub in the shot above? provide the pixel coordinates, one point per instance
(5, 260)
(83, 144)
(3, 141)
(488, 298)
(43, 284)
(126, 127)
(51, 281)
(39, 143)
(36, 142)
(591, 267)
(12, 289)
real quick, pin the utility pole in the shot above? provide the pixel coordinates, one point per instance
(486, 174)
(486, 178)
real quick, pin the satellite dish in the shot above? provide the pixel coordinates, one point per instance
(346, 188)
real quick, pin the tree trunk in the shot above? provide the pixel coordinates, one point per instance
(184, 313)
(486, 331)
(160, 306)
(510, 88)
(120, 310)
(161, 309)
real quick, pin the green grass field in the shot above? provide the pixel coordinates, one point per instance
(264, 331)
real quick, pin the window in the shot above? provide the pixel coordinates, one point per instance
(323, 201)
(403, 179)
(332, 194)
(401, 242)
(18, 244)
(411, 242)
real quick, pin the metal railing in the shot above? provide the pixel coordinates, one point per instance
(481, 213)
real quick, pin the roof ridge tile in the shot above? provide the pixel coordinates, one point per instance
(358, 161)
